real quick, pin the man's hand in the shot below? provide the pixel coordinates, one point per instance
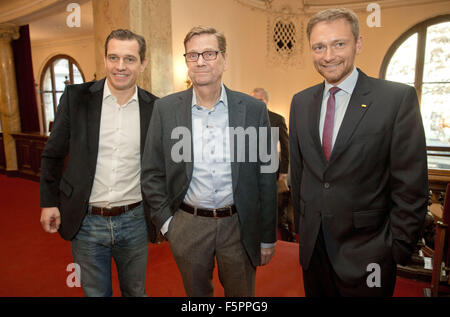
(282, 177)
(50, 219)
(266, 255)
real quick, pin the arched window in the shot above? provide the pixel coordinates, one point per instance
(58, 72)
(421, 58)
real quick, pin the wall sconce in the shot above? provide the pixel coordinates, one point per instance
(181, 73)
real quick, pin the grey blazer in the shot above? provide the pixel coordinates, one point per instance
(165, 182)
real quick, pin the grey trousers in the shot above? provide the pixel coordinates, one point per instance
(196, 242)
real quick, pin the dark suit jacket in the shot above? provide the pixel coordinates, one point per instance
(166, 182)
(278, 121)
(371, 197)
(76, 132)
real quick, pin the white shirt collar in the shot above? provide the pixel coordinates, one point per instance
(223, 97)
(107, 93)
(348, 85)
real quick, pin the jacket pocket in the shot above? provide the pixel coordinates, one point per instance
(369, 218)
(65, 187)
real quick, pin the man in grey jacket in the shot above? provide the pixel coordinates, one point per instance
(211, 197)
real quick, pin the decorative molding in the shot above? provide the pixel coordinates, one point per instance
(284, 31)
(313, 6)
(254, 4)
(76, 40)
(274, 6)
(285, 36)
(292, 16)
(20, 9)
(9, 31)
(309, 7)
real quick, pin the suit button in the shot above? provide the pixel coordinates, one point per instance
(326, 185)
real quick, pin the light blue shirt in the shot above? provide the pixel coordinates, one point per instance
(211, 183)
(342, 98)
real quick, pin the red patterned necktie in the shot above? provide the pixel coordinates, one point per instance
(327, 137)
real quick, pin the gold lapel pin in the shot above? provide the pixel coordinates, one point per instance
(363, 105)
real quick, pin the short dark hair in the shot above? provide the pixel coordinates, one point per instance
(332, 15)
(198, 30)
(127, 35)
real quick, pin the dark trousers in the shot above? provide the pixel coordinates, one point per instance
(286, 217)
(320, 279)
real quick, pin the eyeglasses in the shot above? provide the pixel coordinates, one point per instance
(207, 56)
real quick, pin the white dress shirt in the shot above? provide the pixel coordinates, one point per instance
(342, 98)
(117, 176)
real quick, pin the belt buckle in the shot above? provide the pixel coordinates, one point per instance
(101, 211)
(215, 213)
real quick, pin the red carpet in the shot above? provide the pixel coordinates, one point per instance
(33, 263)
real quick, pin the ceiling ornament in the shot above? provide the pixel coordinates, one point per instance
(309, 7)
(284, 31)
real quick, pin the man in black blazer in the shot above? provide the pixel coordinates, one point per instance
(210, 204)
(277, 121)
(285, 214)
(359, 168)
(94, 197)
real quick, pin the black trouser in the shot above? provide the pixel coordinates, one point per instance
(320, 279)
(286, 217)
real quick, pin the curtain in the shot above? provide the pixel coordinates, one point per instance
(26, 91)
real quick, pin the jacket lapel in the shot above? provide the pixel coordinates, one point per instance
(358, 105)
(94, 111)
(144, 114)
(314, 119)
(236, 118)
(184, 119)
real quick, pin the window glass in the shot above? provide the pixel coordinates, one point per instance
(62, 73)
(63, 68)
(77, 77)
(433, 87)
(47, 80)
(402, 66)
(47, 98)
(437, 53)
(58, 97)
(435, 103)
(435, 109)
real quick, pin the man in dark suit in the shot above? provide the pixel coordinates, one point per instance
(359, 168)
(285, 217)
(96, 200)
(209, 204)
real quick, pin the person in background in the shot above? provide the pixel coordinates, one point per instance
(285, 213)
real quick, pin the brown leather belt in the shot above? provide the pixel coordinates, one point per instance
(113, 211)
(216, 213)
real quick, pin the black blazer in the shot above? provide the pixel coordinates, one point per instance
(76, 133)
(165, 182)
(278, 121)
(371, 197)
